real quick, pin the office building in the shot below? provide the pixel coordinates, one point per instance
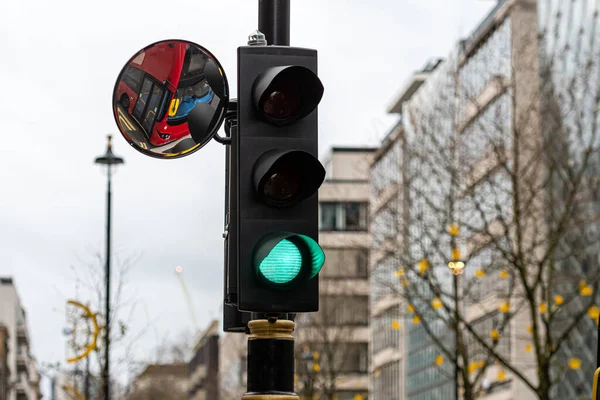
(233, 363)
(203, 379)
(526, 59)
(333, 343)
(24, 381)
(161, 381)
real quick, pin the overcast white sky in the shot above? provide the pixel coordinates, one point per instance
(58, 65)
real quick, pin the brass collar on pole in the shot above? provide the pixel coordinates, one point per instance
(263, 329)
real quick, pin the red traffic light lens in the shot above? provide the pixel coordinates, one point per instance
(283, 101)
(286, 94)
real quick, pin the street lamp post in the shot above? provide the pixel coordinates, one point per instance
(108, 159)
(457, 266)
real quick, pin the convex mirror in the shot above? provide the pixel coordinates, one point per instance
(164, 89)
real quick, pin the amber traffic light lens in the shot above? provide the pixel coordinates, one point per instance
(282, 178)
(282, 185)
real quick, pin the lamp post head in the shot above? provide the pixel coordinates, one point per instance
(457, 267)
(109, 158)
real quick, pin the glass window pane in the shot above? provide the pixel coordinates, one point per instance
(328, 216)
(352, 214)
(153, 103)
(138, 111)
(355, 216)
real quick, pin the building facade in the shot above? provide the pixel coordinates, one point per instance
(233, 365)
(161, 381)
(4, 370)
(405, 191)
(69, 384)
(203, 380)
(332, 345)
(527, 73)
(24, 382)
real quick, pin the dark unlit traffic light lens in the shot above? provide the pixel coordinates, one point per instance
(284, 177)
(282, 186)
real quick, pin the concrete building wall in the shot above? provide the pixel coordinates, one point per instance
(24, 376)
(347, 164)
(203, 368)
(160, 381)
(233, 350)
(4, 370)
(339, 331)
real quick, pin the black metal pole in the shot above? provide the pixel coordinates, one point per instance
(456, 332)
(270, 360)
(598, 348)
(86, 377)
(274, 21)
(106, 370)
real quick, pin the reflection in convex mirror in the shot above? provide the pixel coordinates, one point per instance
(163, 90)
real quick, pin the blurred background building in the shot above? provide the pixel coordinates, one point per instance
(332, 355)
(4, 371)
(161, 381)
(233, 350)
(24, 381)
(488, 80)
(203, 368)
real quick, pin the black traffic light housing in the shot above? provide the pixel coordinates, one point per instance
(276, 174)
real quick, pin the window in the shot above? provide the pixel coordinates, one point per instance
(152, 109)
(484, 325)
(349, 395)
(138, 111)
(328, 216)
(355, 216)
(384, 280)
(384, 336)
(193, 64)
(133, 78)
(351, 358)
(387, 382)
(346, 310)
(346, 263)
(346, 216)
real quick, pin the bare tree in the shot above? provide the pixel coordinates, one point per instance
(125, 305)
(499, 174)
(175, 348)
(326, 345)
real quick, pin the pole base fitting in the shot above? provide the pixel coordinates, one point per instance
(270, 397)
(263, 329)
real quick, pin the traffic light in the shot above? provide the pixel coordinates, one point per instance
(277, 174)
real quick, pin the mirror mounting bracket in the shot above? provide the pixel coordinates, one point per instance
(230, 121)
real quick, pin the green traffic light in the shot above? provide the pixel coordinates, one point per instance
(282, 264)
(317, 255)
(291, 256)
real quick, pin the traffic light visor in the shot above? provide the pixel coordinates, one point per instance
(283, 95)
(282, 259)
(282, 178)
